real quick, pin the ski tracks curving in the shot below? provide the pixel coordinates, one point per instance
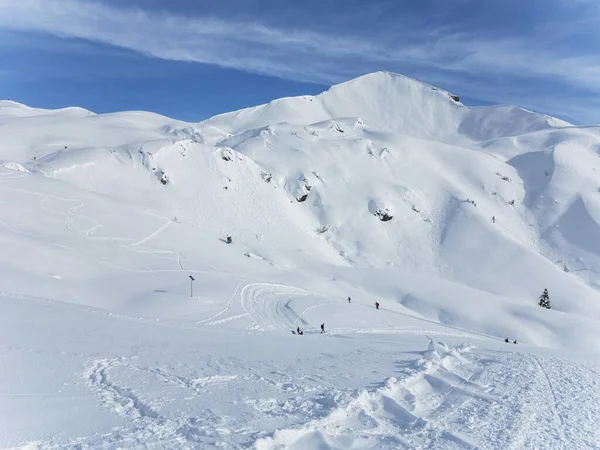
(271, 306)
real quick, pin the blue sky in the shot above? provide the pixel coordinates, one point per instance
(191, 59)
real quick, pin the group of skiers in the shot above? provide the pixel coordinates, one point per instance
(376, 303)
(301, 333)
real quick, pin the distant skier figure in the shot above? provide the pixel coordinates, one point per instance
(515, 342)
(322, 328)
(298, 330)
(228, 239)
(506, 340)
(376, 305)
(349, 299)
(493, 219)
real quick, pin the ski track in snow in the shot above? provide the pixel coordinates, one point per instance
(153, 235)
(553, 401)
(211, 320)
(269, 306)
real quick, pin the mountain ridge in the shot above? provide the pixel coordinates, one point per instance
(398, 89)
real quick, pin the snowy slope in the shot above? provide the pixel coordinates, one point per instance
(488, 207)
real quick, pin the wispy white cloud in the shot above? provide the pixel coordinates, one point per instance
(307, 55)
(246, 46)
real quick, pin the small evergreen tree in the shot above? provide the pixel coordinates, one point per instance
(545, 300)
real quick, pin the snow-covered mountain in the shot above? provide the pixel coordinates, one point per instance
(384, 189)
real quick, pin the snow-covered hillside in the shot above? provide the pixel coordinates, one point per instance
(454, 219)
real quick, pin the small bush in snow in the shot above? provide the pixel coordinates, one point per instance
(545, 300)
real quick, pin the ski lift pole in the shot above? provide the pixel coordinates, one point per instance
(192, 279)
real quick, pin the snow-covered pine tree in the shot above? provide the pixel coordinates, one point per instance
(545, 300)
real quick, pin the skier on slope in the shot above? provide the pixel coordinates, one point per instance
(349, 299)
(506, 340)
(322, 328)
(376, 305)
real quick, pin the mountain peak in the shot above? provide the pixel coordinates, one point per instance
(388, 101)
(385, 100)
(383, 77)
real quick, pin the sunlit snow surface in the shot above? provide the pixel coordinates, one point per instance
(102, 345)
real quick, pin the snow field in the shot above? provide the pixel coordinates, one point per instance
(104, 345)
